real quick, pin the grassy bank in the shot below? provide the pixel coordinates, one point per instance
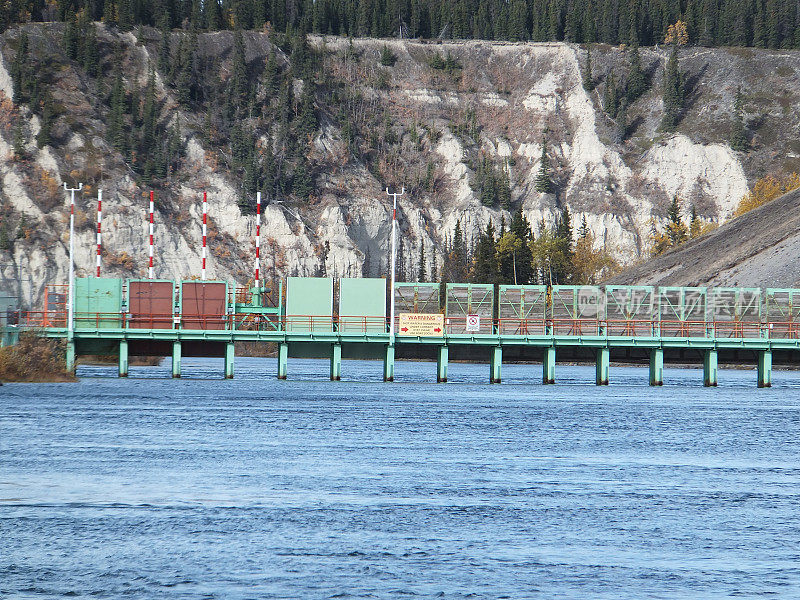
(34, 359)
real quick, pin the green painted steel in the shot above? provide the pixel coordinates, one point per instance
(522, 309)
(629, 310)
(782, 312)
(69, 358)
(416, 298)
(464, 300)
(362, 305)
(229, 360)
(309, 304)
(681, 311)
(576, 310)
(98, 303)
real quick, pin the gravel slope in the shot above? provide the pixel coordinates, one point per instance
(759, 249)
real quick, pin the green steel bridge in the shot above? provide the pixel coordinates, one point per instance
(347, 318)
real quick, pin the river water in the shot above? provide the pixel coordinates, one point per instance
(153, 488)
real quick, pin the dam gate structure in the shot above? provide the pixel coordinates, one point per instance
(346, 318)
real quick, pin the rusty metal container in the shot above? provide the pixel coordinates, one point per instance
(204, 304)
(150, 303)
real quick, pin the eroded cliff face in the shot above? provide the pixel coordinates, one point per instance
(515, 95)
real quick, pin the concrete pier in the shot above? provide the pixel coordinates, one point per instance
(765, 368)
(549, 365)
(229, 354)
(176, 359)
(602, 366)
(657, 367)
(388, 364)
(123, 358)
(283, 359)
(70, 356)
(710, 368)
(495, 364)
(336, 362)
(441, 365)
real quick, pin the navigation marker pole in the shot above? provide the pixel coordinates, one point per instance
(99, 223)
(150, 268)
(258, 241)
(71, 290)
(205, 217)
(394, 196)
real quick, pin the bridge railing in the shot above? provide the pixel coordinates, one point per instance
(456, 325)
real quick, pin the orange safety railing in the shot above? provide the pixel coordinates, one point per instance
(379, 324)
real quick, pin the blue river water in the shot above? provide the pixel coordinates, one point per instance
(152, 488)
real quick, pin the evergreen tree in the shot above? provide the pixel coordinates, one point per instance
(637, 81)
(738, 138)
(588, 78)
(611, 96)
(676, 230)
(673, 92)
(388, 58)
(422, 264)
(5, 242)
(543, 184)
(43, 137)
(484, 264)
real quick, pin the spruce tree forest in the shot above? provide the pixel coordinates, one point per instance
(758, 23)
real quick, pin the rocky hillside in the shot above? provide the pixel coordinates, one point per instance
(758, 249)
(430, 118)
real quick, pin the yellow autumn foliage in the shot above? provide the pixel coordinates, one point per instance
(766, 189)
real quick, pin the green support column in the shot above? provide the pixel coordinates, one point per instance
(123, 358)
(388, 364)
(229, 353)
(441, 365)
(495, 364)
(283, 359)
(657, 366)
(549, 365)
(601, 370)
(765, 368)
(70, 357)
(336, 362)
(710, 368)
(176, 359)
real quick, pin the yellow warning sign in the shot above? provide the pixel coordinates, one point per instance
(421, 324)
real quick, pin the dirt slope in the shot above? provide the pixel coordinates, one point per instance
(759, 249)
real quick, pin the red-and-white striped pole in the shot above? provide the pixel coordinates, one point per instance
(99, 226)
(150, 269)
(205, 217)
(258, 238)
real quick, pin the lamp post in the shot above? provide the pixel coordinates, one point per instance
(394, 196)
(71, 288)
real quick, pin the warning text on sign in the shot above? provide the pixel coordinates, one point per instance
(421, 325)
